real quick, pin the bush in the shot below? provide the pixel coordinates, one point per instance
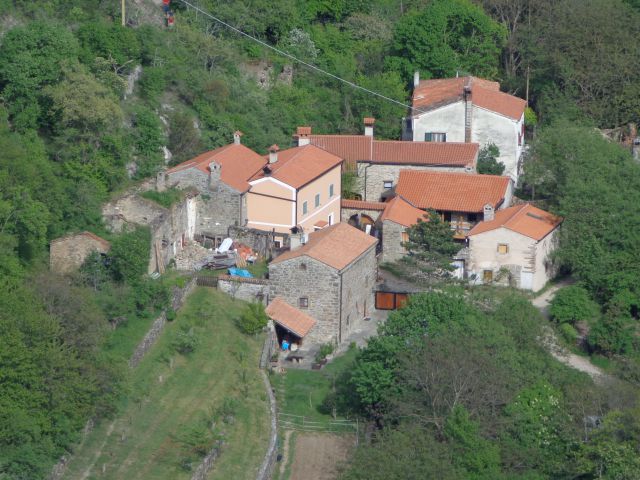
(253, 319)
(568, 333)
(488, 163)
(185, 341)
(612, 335)
(573, 304)
(325, 349)
(130, 255)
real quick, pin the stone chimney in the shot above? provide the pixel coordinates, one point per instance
(214, 175)
(416, 79)
(489, 212)
(297, 238)
(273, 153)
(368, 126)
(468, 109)
(236, 137)
(301, 138)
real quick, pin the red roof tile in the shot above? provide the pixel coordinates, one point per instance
(524, 219)
(337, 246)
(321, 224)
(431, 94)
(399, 211)
(362, 205)
(354, 148)
(300, 165)
(290, 317)
(451, 192)
(238, 164)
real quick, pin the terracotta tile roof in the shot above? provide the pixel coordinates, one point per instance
(362, 205)
(354, 148)
(321, 224)
(337, 246)
(238, 164)
(524, 219)
(300, 165)
(290, 317)
(400, 211)
(451, 192)
(431, 94)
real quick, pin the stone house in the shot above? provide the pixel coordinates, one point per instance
(461, 199)
(221, 176)
(170, 228)
(68, 253)
(298, 187)
(377, 163)
(330, 278)
(468, 109)
(393, 223)
(514, 246)
(359, 213)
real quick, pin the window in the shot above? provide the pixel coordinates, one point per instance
(405, 237)
(303, 266)
(330, 219)
(277, 244)
(331, 190)
(304, 208)
(503, 248)
(435, 137)
(317, 202)
(446, 216)
(303, 302)
(387, 184)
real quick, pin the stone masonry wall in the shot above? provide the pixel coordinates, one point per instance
(306, 277)
(219, 209)
(392, 249)
(188, 178)
(259, 240)
(373, 177)
(347, 213)
(68, 253)
(358, 282)
(248, 289)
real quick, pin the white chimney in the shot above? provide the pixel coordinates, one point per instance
(236, 137)
(416, 79)
(273, 153)
(368, 126)
(302, 136)
(489, 213)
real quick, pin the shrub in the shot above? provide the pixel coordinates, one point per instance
(253, 319)
(325, 349)
(130, 255)
(488, 163)
(568, 333)
(572, 304)
(612, 335)
(185, 341)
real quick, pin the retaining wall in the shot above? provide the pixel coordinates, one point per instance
(248, 289)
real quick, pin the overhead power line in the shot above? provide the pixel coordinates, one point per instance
(296, 59)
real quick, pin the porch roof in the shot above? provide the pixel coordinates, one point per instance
(290, 317)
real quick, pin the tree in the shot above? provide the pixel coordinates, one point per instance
(445, 38)
(572, 304)
(130, 255)
(431, 242)
(488, 163)
(254, 319)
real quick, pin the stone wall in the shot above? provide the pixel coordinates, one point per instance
(266, 469)
(260, 241)
(358, 282)
(247, 289)
(68, 253)
(184, 179)
(347, 213)
(392, 249)
(130, 210)
(219, 209)
(306, 277)
(207, 463)
(374, 175)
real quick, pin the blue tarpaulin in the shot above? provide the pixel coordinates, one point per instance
(240, 272)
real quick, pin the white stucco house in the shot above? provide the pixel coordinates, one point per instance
(468, 109)
(514, 247)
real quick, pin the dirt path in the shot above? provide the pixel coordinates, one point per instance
(317, 455)
(87, 472)
(285, 452)
(561, 354)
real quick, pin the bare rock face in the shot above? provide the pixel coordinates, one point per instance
(286, 76)
(132, 78)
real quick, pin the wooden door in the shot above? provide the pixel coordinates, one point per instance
(385, 301)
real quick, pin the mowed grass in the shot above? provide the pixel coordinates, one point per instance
(180, 404)
(302, 392)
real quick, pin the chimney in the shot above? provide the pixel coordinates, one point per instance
(214, 175)
(489, 213)
(236, 137)
(368, 126)
(302, 136)
(416, 79)
(468, 109)
(273, 153)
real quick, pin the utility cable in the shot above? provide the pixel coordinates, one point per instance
(295, 59)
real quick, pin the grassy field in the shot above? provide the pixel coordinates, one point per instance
(182, 403)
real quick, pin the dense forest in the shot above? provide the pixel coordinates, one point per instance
(87, 105)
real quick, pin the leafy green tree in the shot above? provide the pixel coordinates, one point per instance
(447, 37)
(254, 319)
(31, 58)
(488, 163)
(431, 242)
(130, 255)
(573, 304)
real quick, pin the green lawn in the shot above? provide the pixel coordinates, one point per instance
(180, 404)
(302, 392)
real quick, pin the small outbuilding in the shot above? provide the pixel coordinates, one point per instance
(68, 253)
